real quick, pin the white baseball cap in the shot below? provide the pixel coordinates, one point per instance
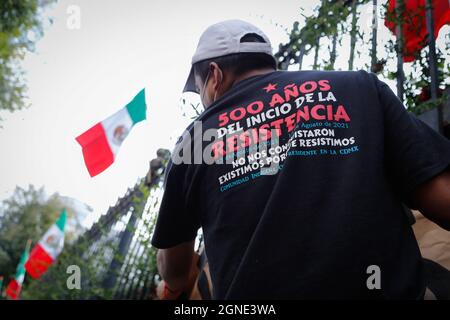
(224, 38)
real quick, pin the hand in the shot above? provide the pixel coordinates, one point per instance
(165, 293)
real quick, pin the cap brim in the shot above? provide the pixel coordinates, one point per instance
(190, 83)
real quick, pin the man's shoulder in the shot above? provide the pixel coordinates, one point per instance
(344, 78)
(328, 73)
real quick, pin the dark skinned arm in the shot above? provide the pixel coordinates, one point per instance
(176, 266)
(432, 198)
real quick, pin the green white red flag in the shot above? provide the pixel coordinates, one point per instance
(15, 285)
(101, 143)
(47, 249)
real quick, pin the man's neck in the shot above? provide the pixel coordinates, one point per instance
(251, 73)
(247, 75)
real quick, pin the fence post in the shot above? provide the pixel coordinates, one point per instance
(433, 62)
(399, 10)
(124, 245)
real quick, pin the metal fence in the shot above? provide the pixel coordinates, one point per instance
(118, 244)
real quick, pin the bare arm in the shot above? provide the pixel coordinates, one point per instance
(433, 199)
(175, 264)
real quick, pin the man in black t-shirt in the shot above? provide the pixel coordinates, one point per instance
(297, 179)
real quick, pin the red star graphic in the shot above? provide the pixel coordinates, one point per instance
(270, 87)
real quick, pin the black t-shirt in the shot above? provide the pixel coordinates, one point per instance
(326, 220)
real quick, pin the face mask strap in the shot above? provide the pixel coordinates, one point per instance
(204, 86)
(215, 93)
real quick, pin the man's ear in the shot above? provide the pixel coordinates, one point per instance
(216, 74)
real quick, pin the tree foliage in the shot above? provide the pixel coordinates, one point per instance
(27, 214)
(20, 26)
(330, 20)
(417, 95)
(94, 256)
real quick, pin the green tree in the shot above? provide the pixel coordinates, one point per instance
(20, 26)
(93, 257)
(27, 214)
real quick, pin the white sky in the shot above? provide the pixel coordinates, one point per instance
(77, 78)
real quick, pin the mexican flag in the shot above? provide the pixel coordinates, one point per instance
(15, 285)
(101, 143)
(47, 249)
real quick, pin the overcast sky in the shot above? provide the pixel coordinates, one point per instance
(79, 77)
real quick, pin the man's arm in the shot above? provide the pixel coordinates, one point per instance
(176, 266)
(432, 198)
